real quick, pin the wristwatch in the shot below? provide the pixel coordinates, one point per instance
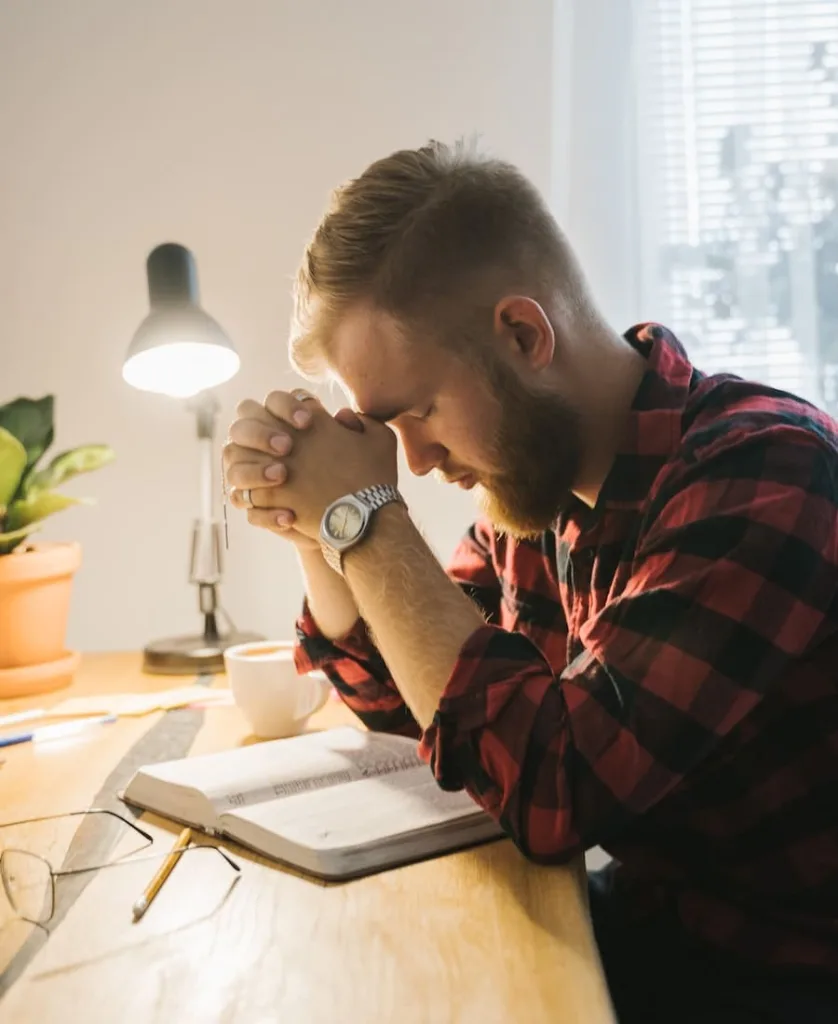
(346, 521)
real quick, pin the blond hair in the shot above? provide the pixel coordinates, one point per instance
(434, 237)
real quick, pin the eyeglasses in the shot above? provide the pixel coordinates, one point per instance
(29, 879)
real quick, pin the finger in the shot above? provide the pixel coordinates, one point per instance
(231, 453)
(350, 419)
(284, 406)
(256, 472)
(270, 498)
(248, 409)
(278, 520)
(260, 436)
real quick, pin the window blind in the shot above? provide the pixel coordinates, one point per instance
(737, 125)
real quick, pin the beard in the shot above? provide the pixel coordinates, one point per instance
(537, 449)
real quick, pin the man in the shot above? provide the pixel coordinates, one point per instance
(636, 646)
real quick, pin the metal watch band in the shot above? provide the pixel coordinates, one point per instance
(374, 498)
(333, 557)
(378, 495)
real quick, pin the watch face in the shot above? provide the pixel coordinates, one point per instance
(345, 522)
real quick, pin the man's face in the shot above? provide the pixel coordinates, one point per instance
(477, 425)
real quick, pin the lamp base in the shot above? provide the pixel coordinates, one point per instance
(191, 655)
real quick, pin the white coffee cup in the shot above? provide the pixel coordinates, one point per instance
(275, 700)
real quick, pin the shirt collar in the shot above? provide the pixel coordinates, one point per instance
(653, 431)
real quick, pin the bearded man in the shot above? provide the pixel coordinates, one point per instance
(636, 644)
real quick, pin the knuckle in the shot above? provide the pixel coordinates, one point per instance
(264, 519)
(236, 430)
(271, 497)
(250, 434)
(277, 404)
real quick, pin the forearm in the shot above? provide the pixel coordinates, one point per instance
(419, 617)
(331, 602)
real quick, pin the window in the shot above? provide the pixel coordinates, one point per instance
(737, 121)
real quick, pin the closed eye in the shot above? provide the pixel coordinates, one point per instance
(392, 415)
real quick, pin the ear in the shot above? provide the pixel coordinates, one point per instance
(526, 328)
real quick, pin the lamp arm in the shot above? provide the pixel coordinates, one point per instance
(205, 568)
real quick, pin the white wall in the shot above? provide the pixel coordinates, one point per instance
(594, 167)
(220, 125)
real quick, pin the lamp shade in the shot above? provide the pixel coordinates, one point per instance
(178, 349)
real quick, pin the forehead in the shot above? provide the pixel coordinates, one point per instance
(377, 364)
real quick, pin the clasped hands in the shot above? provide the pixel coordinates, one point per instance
(296, 459)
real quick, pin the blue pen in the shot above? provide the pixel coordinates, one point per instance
(54, 732)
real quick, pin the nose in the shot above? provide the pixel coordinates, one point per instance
(422, 456)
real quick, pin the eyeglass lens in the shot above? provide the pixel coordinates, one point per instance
(28, 884)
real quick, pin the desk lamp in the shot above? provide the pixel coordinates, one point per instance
(179, 350)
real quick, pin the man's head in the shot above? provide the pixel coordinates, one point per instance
(441, 292)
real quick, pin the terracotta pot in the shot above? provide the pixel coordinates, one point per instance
(35, 588)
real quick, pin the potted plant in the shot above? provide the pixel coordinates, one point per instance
(36, 579)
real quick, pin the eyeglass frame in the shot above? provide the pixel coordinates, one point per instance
(63, 873)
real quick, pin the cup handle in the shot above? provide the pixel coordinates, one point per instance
(321, 698)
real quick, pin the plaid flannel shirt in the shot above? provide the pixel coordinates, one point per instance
(659, 675)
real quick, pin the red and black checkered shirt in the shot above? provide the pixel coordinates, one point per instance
(659, 675)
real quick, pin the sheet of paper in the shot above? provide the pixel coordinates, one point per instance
(128, 704)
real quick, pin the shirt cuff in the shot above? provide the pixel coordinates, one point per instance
(313, 650)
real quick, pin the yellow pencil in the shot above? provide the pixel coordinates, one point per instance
(163, 872)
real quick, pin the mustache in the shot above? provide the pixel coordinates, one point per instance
(451, 476)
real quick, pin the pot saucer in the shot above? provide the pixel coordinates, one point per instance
(30, 680)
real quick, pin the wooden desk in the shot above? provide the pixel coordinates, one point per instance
(478, 936)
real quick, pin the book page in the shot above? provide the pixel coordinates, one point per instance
(371, 820)
(282, 768)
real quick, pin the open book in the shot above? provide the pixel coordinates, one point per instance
(337, 804)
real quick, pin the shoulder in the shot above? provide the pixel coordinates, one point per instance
(737, 428)
(751, 454)
(724, 414)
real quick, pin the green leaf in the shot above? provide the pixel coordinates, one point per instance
(9, 541)
(12, 467)
(31, 422)
(67, 465)
(38, 506)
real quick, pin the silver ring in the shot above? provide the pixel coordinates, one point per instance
(245, 493)
(301, 395)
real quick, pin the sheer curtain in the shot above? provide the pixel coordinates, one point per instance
(736, 122)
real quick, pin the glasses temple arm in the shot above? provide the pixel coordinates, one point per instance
(78, 814)
(136, 860)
